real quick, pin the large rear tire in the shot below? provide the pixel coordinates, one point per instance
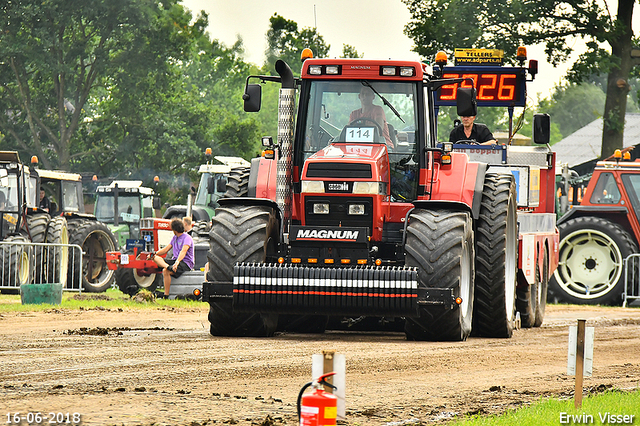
(591, 262)
(17, 264)
(440, 244)
(237, 182)
(496, 258)
(58, 256)
(239, 234)
(96, 239)
(37, 224)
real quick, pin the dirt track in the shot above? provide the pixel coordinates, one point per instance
(167, 370)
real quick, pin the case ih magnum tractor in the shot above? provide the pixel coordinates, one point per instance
(345, 218)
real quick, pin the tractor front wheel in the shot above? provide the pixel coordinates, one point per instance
(440, 244)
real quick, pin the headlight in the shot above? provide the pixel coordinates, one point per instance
(356, 209)
(312, 186)
(321, 208)
(376, 188)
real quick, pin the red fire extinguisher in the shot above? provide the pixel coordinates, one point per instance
(318, 408)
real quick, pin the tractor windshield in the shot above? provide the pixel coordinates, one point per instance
(128, 207)
(8, 191)
(361, 112)
(203, 198)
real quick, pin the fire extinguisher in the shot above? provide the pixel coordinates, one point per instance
(318, 408)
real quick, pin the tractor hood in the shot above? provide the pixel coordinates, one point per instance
(363, 162)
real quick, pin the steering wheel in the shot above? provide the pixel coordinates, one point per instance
(468, 142)
(363, 120)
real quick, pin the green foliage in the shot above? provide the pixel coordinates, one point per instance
(286, 42)
(349, 51)
(438, 25)
(573, 106)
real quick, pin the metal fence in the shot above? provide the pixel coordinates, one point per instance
(631, 279)
(34, 263)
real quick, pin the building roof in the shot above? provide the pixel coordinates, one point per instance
(585, 144)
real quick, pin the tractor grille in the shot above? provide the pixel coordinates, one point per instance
(147, 236)
(339, 170)
(338, 212)
(286, 288)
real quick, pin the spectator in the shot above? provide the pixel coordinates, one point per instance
(182, 244)
(470, 131)
(188, 225)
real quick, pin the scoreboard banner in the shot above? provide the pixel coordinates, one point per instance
(495, 86)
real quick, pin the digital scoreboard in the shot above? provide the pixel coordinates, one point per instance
(495, 86)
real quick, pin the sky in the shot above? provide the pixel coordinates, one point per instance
(373, 27)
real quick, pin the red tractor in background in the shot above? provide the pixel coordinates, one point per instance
(598, 232)
(347, 218)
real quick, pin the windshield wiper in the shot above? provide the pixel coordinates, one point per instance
(384, 100)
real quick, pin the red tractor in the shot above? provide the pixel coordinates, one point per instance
(598, 234)
(358, 217)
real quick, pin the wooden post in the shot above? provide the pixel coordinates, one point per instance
(579, 363)
(328, 368)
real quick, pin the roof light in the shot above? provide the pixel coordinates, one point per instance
(388, 71)
(332, 69)
(208, 151)
(533, 67)
(315, 69)
(617, 154)
(521, 54)
(441, 58)
(626, 156)
(306, 54)
(94, 178)
(34, 159)
(407, 71)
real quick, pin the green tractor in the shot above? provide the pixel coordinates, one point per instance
(122, 204)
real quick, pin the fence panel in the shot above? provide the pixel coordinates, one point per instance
(27, 263)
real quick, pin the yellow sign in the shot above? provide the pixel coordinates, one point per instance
(478, 56)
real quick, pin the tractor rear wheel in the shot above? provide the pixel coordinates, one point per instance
(496, 258)
(201, 228)
(440, 244)
(57, 256)
(96, 239)
(239, 234)
(591, 262)
(37, 225)
(237, 182)
(17, 264)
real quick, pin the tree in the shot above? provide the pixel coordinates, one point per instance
(573, 106)
(57, 54)
(286, 42)
(349, 51)
(439, 24)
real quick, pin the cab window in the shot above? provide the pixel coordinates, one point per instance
(606, 190)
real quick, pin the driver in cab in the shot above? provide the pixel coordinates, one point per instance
(371, 113)
(473, 132)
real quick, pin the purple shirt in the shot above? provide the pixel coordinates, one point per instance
(177, 242)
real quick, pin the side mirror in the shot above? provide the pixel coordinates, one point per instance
(157, 205)
(541, 128)
(466, 102)
(211, 185)
(221, 185)
(252, 97)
